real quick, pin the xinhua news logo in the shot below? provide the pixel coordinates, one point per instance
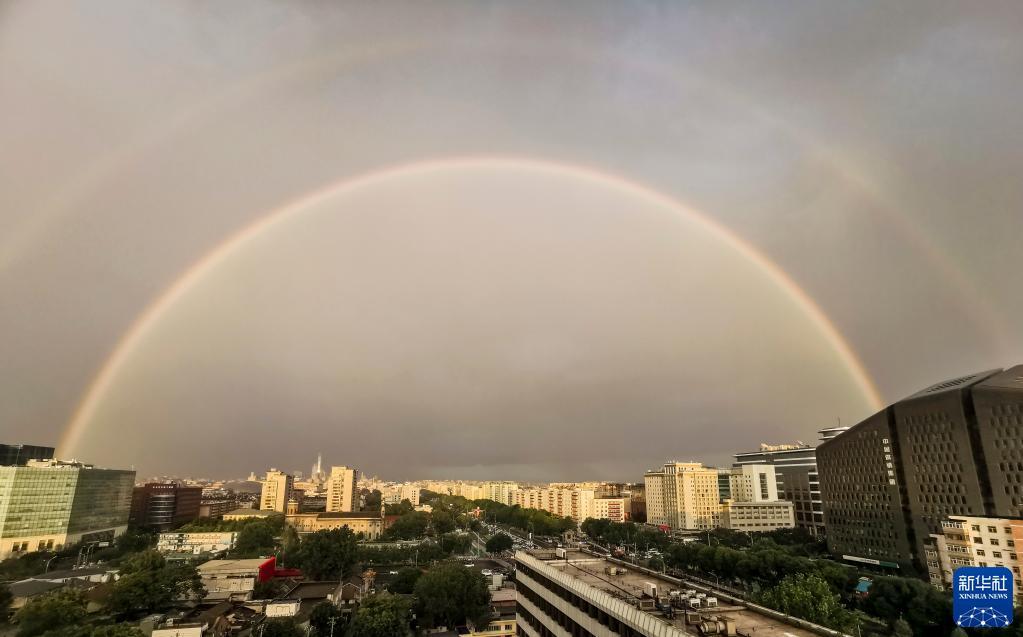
(982, 596)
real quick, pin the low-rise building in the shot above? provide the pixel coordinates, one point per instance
(369, 524)
(196, 543)
(757, 516)
(976, 541)
(235, 579)
(248, 514)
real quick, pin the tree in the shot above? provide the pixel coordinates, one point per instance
(927, 610)
(283, 627)
(499, 542)
(450, 594)
(116, 630)
(442, 522)
(149, 583)
(372, 499)
(328, 554)
(405, 581)
(381, 615)
(958, 632)
(808, 596)
(402, 508)
(409, 526)
(255, 539)
(326, 620)
(65, 607)
(901, 628)
(6, 597)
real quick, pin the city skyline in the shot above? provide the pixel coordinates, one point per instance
(621, 233)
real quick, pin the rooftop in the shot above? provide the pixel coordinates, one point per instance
(233, 565)
(253, 513)
(627, 586)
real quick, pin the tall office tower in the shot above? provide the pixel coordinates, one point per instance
(797, 478)
(48, 505)
(683, 495)
(953, 449)
(341, 490)
(278, 489)
(164, 505)
(19, 455)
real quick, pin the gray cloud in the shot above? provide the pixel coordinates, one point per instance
(870, 150)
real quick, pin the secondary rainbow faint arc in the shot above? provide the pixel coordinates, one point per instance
(137, 332)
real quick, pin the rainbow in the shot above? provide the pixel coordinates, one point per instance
(144, 323)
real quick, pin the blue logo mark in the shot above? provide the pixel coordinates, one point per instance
(982, 596)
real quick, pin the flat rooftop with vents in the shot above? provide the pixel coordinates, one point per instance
(600, 595)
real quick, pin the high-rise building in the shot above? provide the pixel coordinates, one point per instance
(19, 455)
(499, 491)
(342, 495)
(796, 471)
(164, 505)
(48, 505)
(278, 490)
(683, 495)
(952, 449)
(975, 541)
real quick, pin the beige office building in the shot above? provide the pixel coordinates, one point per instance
(683, 495)
(278, 490)
(342, 493)
(976, 541)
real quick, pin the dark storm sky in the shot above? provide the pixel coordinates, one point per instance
(497, 318)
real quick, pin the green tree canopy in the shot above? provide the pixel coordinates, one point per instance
(6, 597)
(402, 508)
(326, 619)
(808, 596)
(65, 607)
(409, 526)
(282, 627)
(381, 615)
(149, 583)
(449, 594)
(927, 610)
(499, 542)
(255, 539)
(443, 522)
(405, 581)
(328, 554)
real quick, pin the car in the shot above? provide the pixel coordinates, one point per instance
(469, 565)
(393, 572)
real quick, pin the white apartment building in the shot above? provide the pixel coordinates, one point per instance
(342, 494)
(976, 541)
(683, 495)
(498, 491)
(278, 489)
(614, 509)
(577, 504)
(754, 504)
(398, 493)
(196, 543)
(753, 483)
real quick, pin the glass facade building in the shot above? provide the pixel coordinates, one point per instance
(49, 505)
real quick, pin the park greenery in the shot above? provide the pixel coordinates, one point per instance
(328, 554)
(381, 615)
(450, 594)
(149, 583)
